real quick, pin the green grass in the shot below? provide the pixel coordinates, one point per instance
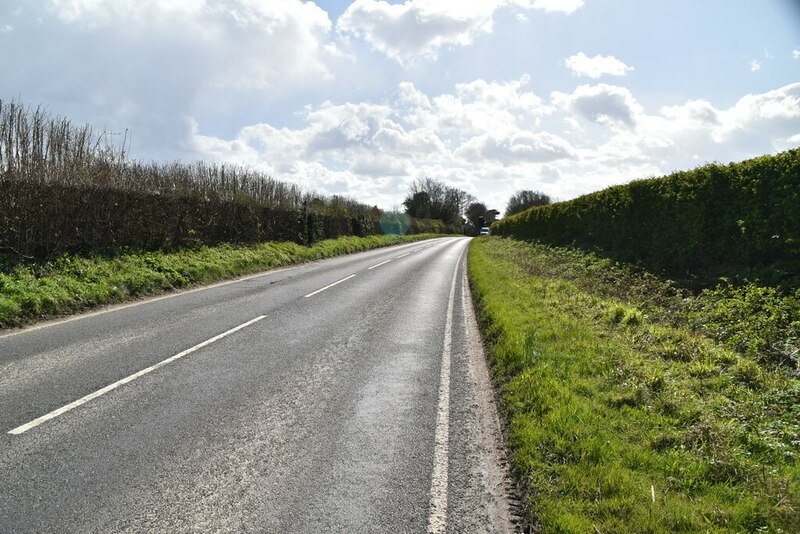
(34, 291)
(621, 416)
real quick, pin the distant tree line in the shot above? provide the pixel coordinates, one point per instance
(429, 198)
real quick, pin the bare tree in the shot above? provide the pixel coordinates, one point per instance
(524, 199)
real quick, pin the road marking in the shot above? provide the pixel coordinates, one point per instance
(437, 518)
(118, 383)
(124, 305)
(402, 255)
(328, 286)
(381, 263)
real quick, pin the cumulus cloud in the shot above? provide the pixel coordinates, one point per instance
(700, 112)
(774, 114)
(480, 106)
(236, 40)
(490, 137)
(796, 54)
(419, 29)
(521, 147)
(755, 65)
(603, 103)
(466, 135)
(597, 66)
(143, 65)
(549, 175)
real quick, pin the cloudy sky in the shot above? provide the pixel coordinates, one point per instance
(362, 97)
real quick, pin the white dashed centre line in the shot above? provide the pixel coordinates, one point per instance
(329, 286)
(118, 383)
(378, 265)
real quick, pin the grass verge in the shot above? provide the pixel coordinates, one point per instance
(70, 283)
(621, 417)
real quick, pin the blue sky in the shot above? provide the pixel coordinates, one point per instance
(362, 97)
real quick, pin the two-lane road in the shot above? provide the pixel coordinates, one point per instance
(346, 395)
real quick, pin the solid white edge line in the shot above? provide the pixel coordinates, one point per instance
(437, 518)
(118, 383)
(328, 286)
(378, 265)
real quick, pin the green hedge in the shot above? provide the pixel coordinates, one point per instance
(741, 219)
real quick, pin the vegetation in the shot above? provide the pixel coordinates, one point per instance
(634, 406)
(740, 220)
(432, 199)
(71, 283)
(525, 199)
(478, 216)
(65, 188)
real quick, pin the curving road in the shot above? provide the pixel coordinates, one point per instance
(346, 395)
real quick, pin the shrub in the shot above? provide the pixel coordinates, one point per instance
(741, 219)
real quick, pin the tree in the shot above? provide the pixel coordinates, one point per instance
(478, 216)
(432, 199)
(522, 200)
(418, 205)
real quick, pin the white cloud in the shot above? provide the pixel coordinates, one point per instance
(693, 112)
(144, 65)
(416, 28)
(774, 114)
(755, 65)
(379, 165)
(521, 147)
(492, 138)
(233, 42)
(597, 66)
(796, 54)
(549, 175)
(603, 103)
(480, 106)
(419, 29)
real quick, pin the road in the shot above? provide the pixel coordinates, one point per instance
(345, 395)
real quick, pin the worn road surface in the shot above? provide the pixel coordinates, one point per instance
(345, 395)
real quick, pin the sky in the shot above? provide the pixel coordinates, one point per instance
(361, 98)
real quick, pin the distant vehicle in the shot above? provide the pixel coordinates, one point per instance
(485, 230)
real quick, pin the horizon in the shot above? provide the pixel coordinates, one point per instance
(362, 98)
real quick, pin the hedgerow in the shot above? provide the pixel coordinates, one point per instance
(740, 220)
(67, 189)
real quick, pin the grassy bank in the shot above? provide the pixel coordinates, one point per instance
(34, 291)
(624, 413)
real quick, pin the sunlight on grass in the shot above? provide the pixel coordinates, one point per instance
(623, 419)
(70, 283)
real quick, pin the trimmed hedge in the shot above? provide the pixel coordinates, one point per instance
(42, 219)
(741, 219)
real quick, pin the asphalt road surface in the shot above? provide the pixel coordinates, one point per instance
(345, 395)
